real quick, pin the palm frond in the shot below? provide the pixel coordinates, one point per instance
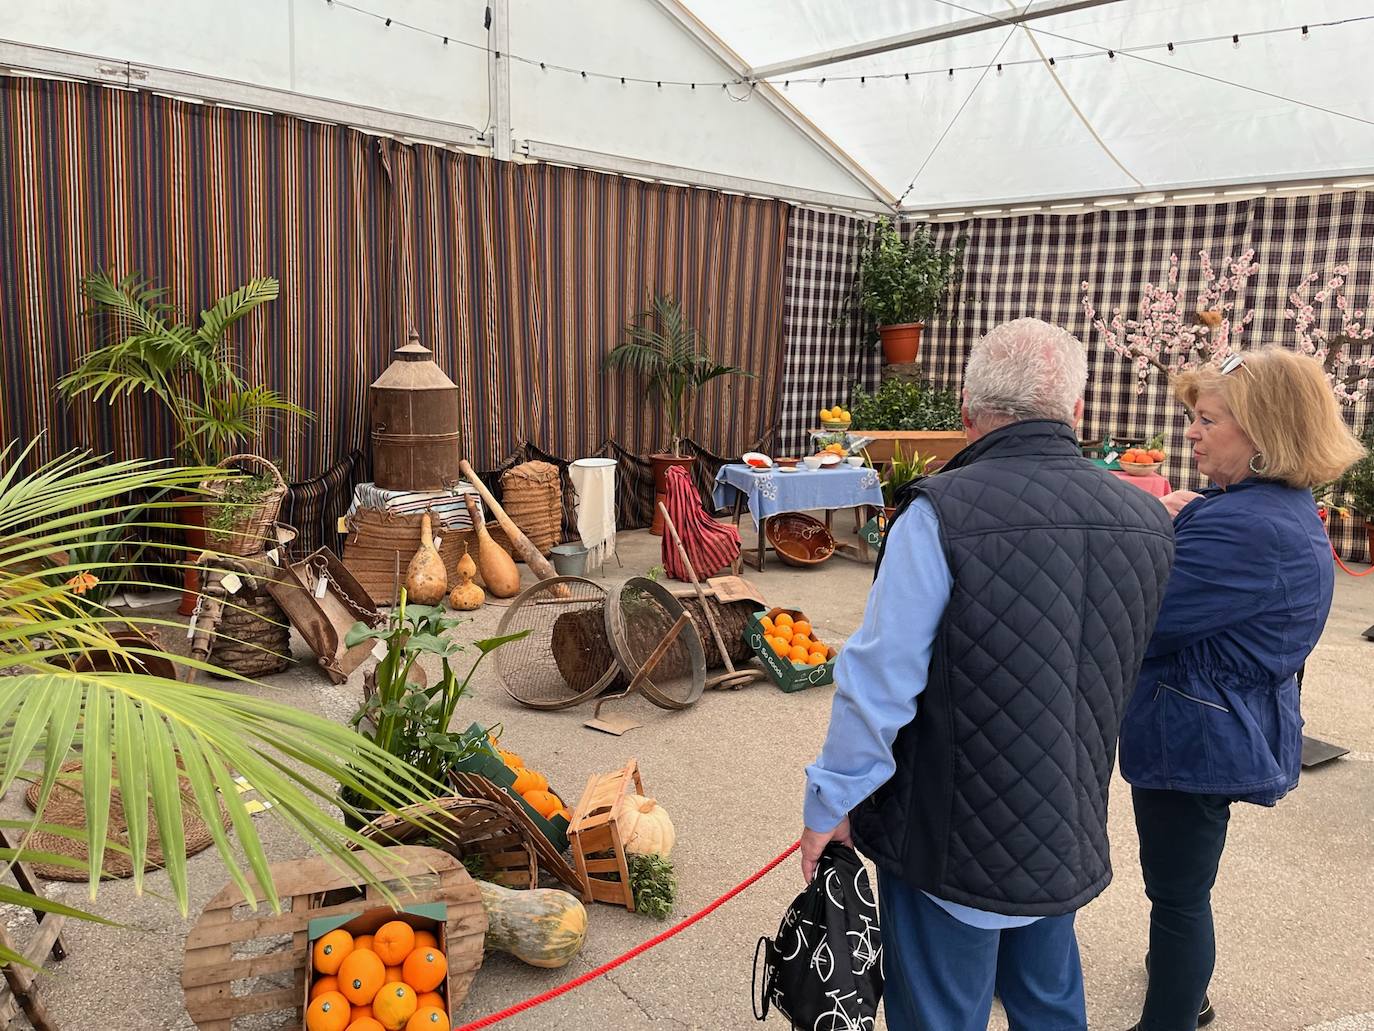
(216, 320)
(146, 736)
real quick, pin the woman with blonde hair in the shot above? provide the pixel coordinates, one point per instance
(1214, 718)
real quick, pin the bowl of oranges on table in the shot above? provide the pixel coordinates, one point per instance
(1139, 461)
(835, 418)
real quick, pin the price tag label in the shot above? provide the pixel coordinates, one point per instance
(343, 524)
(321, 586)
(231, 583)
(1110, 457)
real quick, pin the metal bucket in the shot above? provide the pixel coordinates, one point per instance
(569, 559)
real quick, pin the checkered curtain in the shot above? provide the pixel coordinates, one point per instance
(1036, 264)
(829, 349)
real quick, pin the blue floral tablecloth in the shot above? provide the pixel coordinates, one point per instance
(771, 492)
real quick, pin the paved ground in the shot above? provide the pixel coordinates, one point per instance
(1294, 905)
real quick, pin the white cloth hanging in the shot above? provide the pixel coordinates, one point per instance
(593, 480)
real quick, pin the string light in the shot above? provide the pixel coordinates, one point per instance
(1110, 54)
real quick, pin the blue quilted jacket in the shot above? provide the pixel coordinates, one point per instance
(1215, 709)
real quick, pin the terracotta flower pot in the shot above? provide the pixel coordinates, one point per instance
(662, 463)
(193, 519)
(901, 342)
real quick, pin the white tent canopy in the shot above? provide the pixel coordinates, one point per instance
(1116, 117)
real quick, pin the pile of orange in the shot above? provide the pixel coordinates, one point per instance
(792, 639)
(1142, 456)
(532, 786)
(388, 981)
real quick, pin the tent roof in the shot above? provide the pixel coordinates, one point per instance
(730, 94)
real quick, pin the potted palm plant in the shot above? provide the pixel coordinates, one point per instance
(193, 373)
(899, 472)
(661, 346)
(903, 283)
(173, 745)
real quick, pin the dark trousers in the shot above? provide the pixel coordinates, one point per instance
(941, 973)
(1181, 839)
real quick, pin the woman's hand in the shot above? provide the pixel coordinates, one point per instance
(1176, 501)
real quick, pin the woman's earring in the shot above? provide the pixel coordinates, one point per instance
(1257, 457)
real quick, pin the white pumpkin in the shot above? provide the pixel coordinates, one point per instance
(645, 828)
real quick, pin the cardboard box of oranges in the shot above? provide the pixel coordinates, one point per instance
(785, 642)
(378, 970)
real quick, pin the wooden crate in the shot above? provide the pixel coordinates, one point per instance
(468, 827)
(232, 946)
(594, 836)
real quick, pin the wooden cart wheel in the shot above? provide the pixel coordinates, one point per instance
(236, 964)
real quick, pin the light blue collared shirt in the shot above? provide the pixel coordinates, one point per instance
(881, 670)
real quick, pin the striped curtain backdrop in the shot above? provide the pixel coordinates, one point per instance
(199, 199)
(1036, 264)
(520, 277)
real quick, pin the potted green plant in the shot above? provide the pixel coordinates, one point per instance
(904, 283)
(912, 412)
(191, 371)
(1358, 484)
(663, 347)
(401, 714)
(899, 472)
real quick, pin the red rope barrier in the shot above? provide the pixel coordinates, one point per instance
(1347, 568)
(605, 968)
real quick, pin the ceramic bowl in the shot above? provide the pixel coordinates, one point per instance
(757, 461)
(830, 460)
(812, 461)
(854, 461)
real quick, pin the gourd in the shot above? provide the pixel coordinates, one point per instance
(493, 561)
(543, 927)
(645, 827)
(426, 577)
(466, 595)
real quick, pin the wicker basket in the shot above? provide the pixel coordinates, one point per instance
(799, 539)
(381, 544)
(532, 495)
(246, 533)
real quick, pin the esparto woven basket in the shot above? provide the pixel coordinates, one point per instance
(532, 495)
(246, 533)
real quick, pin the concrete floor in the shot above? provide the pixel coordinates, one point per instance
(1294, 908)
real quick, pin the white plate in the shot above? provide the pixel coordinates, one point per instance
(831, 459)
(788, 469)
(757, 457)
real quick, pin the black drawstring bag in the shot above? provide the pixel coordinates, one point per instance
(825, 967)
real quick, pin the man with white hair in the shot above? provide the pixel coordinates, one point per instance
(976, 712)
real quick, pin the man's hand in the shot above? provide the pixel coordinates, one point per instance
(813, 844)
(1178, 500)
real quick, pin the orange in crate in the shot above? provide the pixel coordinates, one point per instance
(331, 950)
(424, 969)
(361, 974)
(330, 1012)
(393, 942)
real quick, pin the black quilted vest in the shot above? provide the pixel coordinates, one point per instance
(999, 800)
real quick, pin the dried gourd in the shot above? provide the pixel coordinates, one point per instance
(645, 827)
(426, 577)
(466, 595)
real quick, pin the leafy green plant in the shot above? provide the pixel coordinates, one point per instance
(150, 353)
(1358, 482)
(662, 346)
(404, 718)
(237, 494)
(653, 883)
(899, 472)
(141, 734)
(905, 280)
(905, 405)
